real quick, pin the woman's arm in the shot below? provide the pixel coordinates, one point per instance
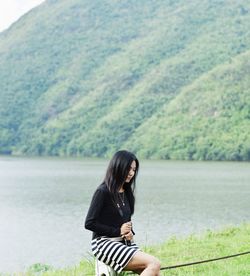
(92, 223)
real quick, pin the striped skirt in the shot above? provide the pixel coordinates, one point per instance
(113, 251)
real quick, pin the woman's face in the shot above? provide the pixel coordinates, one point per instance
(131, 172)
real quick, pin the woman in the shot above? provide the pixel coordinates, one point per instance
(109, 217)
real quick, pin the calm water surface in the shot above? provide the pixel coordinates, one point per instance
(43, 203)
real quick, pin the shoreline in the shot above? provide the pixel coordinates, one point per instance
(211, 244)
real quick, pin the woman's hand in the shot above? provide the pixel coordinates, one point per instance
(126, 228)
(129, 236)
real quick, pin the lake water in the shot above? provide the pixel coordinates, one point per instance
(43, 203)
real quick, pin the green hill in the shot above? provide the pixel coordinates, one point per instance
(208, 120)
(166, 79)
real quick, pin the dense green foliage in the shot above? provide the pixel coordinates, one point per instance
(230, 241)
(166, 79)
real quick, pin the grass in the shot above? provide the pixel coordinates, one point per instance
(229, 241)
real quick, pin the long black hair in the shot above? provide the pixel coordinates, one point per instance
(117, 172)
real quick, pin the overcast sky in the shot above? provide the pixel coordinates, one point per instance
(11, 10)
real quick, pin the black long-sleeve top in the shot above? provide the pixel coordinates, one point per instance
(104, 217)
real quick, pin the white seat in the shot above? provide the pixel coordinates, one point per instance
(101, 269)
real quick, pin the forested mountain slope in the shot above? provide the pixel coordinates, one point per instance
(208, 120)
(167, 79)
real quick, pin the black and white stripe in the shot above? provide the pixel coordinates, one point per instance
(116, 254)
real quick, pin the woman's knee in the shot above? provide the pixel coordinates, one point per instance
(155, 264)
(158, 264)
(143, 261)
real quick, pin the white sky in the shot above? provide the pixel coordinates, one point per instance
(11, 10)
